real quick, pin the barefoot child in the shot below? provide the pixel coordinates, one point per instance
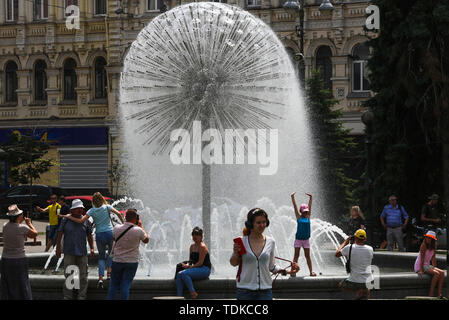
(303, 231)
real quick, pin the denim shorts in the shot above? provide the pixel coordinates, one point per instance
(53, 234)
(245, 294)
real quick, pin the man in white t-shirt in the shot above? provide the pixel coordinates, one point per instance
(360, 264)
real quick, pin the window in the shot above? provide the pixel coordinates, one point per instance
(153, 5)
(253, 3)
(41, 9)
(40, 81)
(70, 3)
(324, 63)
(70, 81)
(12, 10)
(100, 6)
(360, 55)
(11, 83)
(100, 78)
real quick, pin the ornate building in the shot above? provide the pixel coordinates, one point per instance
(63, 82)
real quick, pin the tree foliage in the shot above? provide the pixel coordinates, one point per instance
(410, 77)
(333, 145)
(25, 158)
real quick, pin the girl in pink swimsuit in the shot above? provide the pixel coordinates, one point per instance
(422, 263)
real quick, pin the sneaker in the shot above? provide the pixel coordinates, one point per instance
(100, 284)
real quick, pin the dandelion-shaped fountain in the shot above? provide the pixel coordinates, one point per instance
(213, 66)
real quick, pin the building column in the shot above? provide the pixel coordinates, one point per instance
(3, 12)
(52, 10)
(24, 87)
(53, 90)
(82, 89)
(113, 74)
(22, 11)
(1, 86)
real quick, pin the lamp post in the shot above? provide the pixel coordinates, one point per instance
(368, 119)
(298, 5)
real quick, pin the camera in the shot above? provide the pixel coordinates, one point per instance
(137, 219)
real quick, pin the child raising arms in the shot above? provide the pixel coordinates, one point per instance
(303, 231)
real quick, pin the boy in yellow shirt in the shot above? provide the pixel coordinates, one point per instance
(52, 210)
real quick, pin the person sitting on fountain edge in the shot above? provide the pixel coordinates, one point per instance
(359, 257)
(302, 238)
(199, 267)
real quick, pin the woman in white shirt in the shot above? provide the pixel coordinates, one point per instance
(258, 263)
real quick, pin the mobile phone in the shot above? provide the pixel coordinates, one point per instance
(239, 241)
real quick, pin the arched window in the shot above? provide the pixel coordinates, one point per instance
(360, 55)
(70, 81)
(100, 78)
(324, 62)
(11, 82)
(40, 81)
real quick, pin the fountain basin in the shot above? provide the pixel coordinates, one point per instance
(396, 280)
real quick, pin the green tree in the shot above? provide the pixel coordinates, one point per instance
(25, 160)
(333, 145)
(409, 75)
(119, 175)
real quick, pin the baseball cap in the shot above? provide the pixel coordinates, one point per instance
(431, 234)
(361, 234)
(304, 208)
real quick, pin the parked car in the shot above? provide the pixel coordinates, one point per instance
(20, 195)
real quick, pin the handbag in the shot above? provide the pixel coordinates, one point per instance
(179, 267)
(348, 263)
(115, 242)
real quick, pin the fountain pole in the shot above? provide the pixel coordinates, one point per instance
(206, 208)
(206, 185)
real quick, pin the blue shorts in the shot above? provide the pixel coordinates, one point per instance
(53, 234)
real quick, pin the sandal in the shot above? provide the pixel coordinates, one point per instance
(313, 274)
(193, 295)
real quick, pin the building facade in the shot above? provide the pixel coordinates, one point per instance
(63, 83)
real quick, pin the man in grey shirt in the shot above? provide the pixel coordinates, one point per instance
(74, 248)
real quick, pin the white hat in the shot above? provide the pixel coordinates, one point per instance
(77, 203)
(13, 210)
